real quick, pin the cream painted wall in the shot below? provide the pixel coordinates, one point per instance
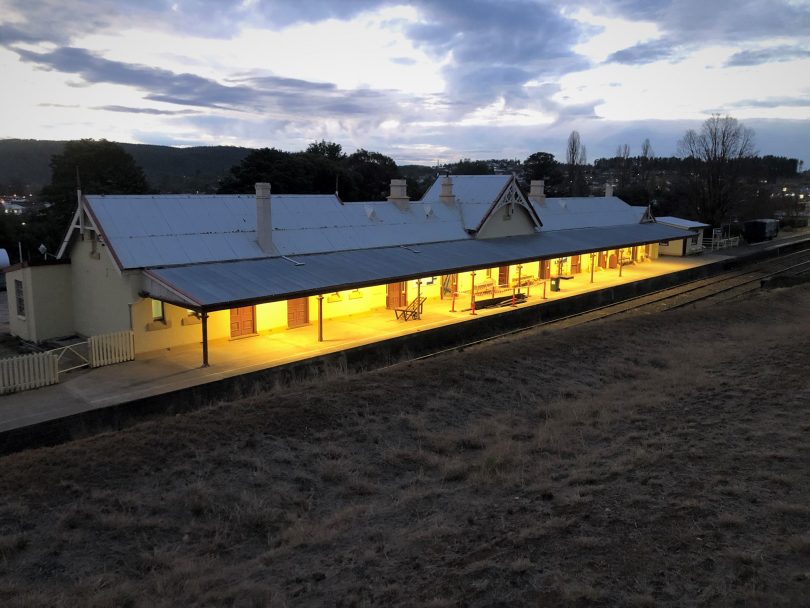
(101, 294)
(674, 248)
(179, 327)
(48, 302)
(500, 223)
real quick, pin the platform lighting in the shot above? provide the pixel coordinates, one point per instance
(355, 294)
(334, 297)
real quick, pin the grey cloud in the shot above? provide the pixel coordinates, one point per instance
(644, 52)
(773, 102)
(256, 94)
(58, 105)
(10, 35)
(403, 60)
(702, 22)
(497, 47)
(767, 55)
(195, 90)
(152, 111)
(491, 41)
(58, 21)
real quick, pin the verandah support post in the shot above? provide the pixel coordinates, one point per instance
(472, 294)
(320, 317)
(418, 298)
(593, 257)
(204, 319)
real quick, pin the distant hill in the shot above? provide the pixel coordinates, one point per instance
(25, 164)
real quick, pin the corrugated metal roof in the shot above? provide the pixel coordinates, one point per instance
(166, 230)
(224, 285)
(474, 195)
(680, 223)
(586, 212)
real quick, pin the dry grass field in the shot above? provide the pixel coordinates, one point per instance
(650, 460)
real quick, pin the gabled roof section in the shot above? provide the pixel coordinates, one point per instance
(511, 201)
(586, 212)
(475, 196)
(81, 220)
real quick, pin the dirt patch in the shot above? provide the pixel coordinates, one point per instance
(654, 460)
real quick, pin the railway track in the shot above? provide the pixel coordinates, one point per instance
(718, 288)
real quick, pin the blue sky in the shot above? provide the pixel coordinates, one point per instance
(422, 81)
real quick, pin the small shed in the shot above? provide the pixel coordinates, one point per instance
(682, 247)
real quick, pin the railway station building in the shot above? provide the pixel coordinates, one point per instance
(192, 269)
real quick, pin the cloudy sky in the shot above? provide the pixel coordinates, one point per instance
(422, 81)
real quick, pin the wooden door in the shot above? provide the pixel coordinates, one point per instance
(576, 264)
(396, 295)
(503, 276)
(297, 312)
(243, 321)
(602, 259)
(544, 271)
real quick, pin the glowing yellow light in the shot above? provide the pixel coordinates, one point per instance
(334, 297)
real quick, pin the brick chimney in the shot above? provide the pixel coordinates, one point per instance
(399, 194)
(446, 195)
(537, 192)
(264, 218)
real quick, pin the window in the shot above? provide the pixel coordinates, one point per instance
(158, 311)
(20, 297)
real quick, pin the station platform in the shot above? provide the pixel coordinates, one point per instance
(155, 383)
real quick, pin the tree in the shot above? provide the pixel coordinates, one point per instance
(542, 165)
(575, 160)
(467, 166)
(623, 156)
(102, 167)
(371, 174)
(715, 156)
(264, 165)
(328, 149)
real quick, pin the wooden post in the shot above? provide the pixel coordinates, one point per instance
(320, 317)
(418, 298)
(453, 299)
(593, 257)
(520, 267)
(472, 294)
(204, 319)
(544, 289)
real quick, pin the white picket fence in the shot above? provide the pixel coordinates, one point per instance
(107, 349)
(27, 372)
(42, 369)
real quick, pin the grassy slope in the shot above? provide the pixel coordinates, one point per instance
(652, 460)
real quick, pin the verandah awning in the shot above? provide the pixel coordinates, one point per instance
(222, 285)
